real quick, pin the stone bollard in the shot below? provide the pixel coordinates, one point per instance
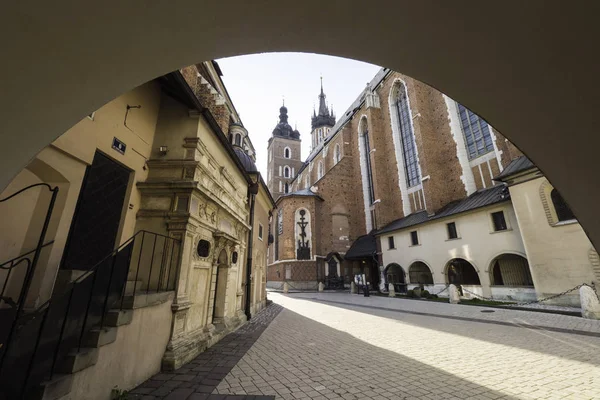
(286, 287)
(454, 295)
(417, 291)
(321, 287)
(590, 305)
(391, 290)
(353, 288)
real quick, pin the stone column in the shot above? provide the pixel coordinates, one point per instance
(391, 290)
(590, 304)
(454, 295)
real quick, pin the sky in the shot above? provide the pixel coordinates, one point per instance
(258, 84)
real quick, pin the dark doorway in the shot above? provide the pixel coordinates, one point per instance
(332, 264)
(97, 215)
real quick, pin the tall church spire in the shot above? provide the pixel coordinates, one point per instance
(324, 117)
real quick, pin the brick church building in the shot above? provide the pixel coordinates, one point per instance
(401, 188)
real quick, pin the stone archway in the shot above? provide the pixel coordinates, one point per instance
(510, 270)
(395, 275)
(419, 273)
(461, 272)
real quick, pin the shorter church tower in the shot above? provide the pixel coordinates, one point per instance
(321, 123)
(284, 158)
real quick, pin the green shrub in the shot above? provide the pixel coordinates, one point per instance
(425, 294)
(411, 293)
(434, 296)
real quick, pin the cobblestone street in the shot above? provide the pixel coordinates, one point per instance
(317, 349)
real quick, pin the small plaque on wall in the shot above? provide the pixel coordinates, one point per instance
(119, 146)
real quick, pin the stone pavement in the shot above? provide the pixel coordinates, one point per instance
(531, 319)
(199, 378)
(315, 349)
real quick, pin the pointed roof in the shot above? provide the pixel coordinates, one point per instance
(325, 117)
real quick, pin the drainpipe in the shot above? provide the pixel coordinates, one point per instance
(252, 191)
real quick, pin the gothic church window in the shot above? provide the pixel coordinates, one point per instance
(320, 170)
(477, 133)
(407, 139)
(238, 139)
(287, 187)
(563, 211)
(366, 147)
(286, 172)
(287, 153)
(336, 154)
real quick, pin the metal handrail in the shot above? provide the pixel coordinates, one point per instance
(22, 256)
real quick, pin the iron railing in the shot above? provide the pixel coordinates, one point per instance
(40, 341)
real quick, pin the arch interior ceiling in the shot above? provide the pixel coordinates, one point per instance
(529, 68)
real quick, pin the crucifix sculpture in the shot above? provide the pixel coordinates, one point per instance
(303, 251)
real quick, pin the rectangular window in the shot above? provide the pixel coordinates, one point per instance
(452, 234)
(414, 238)
(391, 242)
(260, 231)
(499, 221)
(478, 138)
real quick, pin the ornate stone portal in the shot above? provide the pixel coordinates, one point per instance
(198, 201)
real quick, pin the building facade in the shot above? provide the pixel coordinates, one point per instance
(401, 190)
(157, 226)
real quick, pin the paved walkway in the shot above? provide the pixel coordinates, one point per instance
(330, 348)
(199, 378)
(531, 319)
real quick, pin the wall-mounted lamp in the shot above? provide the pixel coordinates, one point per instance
(163, 150)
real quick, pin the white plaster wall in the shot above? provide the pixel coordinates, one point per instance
(134, 357)
(558, 255)
(477, 243)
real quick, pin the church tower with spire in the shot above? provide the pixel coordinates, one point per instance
(322, 122)
(284, 158)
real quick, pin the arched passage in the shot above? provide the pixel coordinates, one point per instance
(510, 270)
(419, 273)
(395, 275)
(461, 272)
(551, 29)
(221, 287)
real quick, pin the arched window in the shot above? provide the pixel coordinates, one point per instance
(461, 272)
(478, 138)
(286, 172)
(366, 153)
(287, 153)
(407, 138)
(238, 139)
(307, 181)
(320, 170)
(510, 270)
(287, 188)
(336, 154)
(563, 211)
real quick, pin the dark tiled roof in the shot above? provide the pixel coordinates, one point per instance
(363, 247)
(245, 159)
(302, 193)
(481, 198)
(517, 165)
(347, 116)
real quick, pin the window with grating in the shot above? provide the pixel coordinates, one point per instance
(478, 138)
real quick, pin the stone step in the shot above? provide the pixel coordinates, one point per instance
(53, 389)
(131, 285)
(140, 300)
(100, 337)
(78, 360)
(118, 317)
